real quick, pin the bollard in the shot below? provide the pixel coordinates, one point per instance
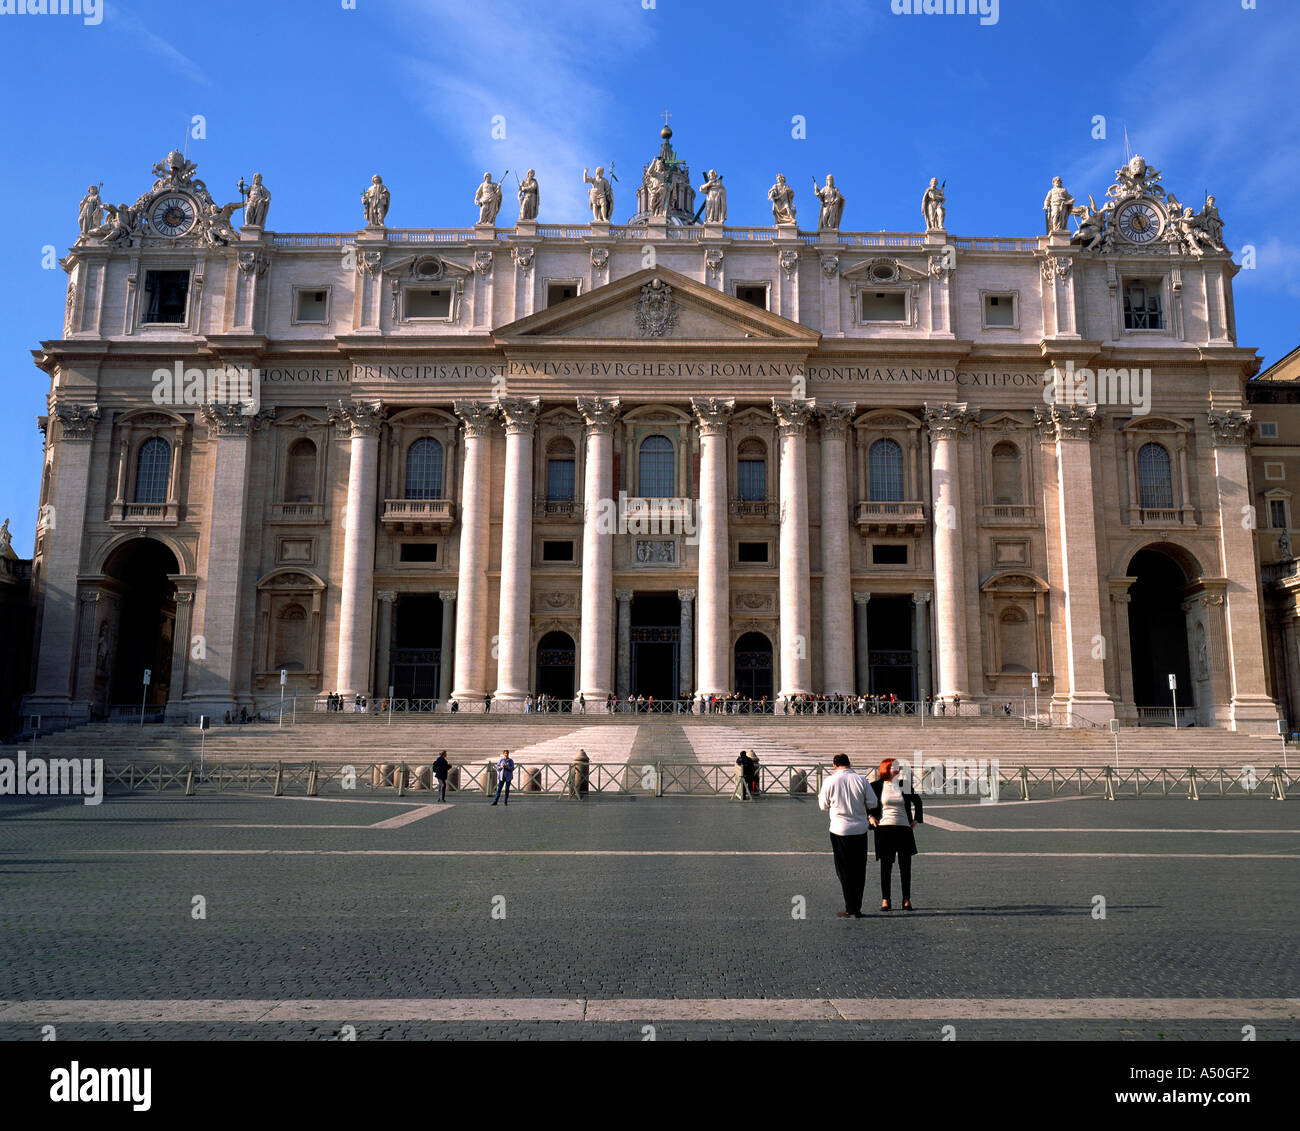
(279, 779)
(401, 780)
(1110, 784)
(532, 781)
(453, 778)
(422, 778)
(1192, 793)
(1279, 784)
(189, 783)
(577, 779)
(659, 779)
(1024, 783)
(490, 779)
(311, 781)
(799, 781)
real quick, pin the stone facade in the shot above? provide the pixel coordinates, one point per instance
(667, 457)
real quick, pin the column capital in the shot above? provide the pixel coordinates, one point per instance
(1230, 428)
(920, 598)
(836, 416)
(184, 596)
(686, 595)
(475, 415)
(792, 416)
(359, 418)
(861, 598)
(387, 596)
(447, 595)
(519, 414)
(713, 413)
(600, 413)
(77, 421)
(950, 420)
(1068, 422)
(623, 594)
(89, 597)
(231, 419)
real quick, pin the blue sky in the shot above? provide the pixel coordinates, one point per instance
(317, 97)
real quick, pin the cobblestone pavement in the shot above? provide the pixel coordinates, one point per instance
(467, 902)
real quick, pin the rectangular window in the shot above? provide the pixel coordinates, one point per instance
(425, 302)
(559, 480)
(166, 296)
(884, 553)
(1277, 514)
(884, 306)
(1142, 309)
(1274, 471)
(999, 310)
(1268, 429)
(419, 552)
(753, 293)
(557, 551)
(751, 480)
(751, 552)
(310, 306)
(560, 292)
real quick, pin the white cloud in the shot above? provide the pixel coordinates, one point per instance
(127, 21)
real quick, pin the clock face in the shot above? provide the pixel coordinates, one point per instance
(173, 215)
(1140, 222)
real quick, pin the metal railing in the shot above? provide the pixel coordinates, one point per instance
(988, 781)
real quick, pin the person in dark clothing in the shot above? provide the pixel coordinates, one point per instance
(748, 771)
(487, 704)
(896, 812)
(505, 774)
(440, 768)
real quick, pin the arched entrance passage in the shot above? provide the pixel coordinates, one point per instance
(415, 659)
(139, 638)
(556, 659)
(654, 643)
(1158, 643)
(754, 666)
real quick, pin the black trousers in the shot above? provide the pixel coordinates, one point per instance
(904, 875)
(851, 867)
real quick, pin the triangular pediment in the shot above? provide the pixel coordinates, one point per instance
(655, 305)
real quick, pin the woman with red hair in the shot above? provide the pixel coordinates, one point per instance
(896, 813)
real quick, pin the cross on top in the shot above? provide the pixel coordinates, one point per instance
(666, 117)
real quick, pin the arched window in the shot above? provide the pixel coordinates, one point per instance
(885, 467)
(1008, 487)
(560, 477)
(751, 471)
(1155, 483)
(152, 470)
(424, 469)
(300, 473)
(655, 468)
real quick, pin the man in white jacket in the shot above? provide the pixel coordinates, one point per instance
(848, 796)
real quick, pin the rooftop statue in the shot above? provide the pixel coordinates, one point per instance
(932, 205)
(715, 198)
(259, 201)
(529, 196)
(600, 195)
(374, 202)
(828, 220)
(1059, 206)
(782, 197)
(488, 199)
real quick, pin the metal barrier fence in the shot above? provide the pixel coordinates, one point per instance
(671, 779)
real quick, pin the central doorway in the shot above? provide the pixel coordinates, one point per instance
(891, 655)
(556, 659)
(754, 666)
(1158, 636)
(415, 659)
(141, 638)
(655, 641)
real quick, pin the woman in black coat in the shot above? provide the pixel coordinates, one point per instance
(896, 813)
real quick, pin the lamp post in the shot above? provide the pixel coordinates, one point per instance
(144, 693)
(1173, 687)
(1034, 678)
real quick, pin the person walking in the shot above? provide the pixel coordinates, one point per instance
(505, 773)
(582, 703)
(894, 815)
(440, 768)
(848, 796)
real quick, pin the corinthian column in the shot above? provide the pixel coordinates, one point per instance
(364, 422)
(949, 423)
(599, 516)
(796, 616)
(520, 415)
(714, 637)
(1251, 706)
(470, 674)
(837, 597)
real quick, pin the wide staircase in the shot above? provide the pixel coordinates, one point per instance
(643, 740)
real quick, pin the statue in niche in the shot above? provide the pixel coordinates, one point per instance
(600, 195)
(1059, 206)
(374, 202)
(90, 214)
(832, 205)
(529, 196)
(782, 197)
(259, 201)
(933, 205)
(715, 199)
(488, 199)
